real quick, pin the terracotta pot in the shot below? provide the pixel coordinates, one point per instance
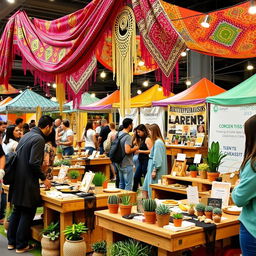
(177, 222)
(191, 211)
(200, 213)
(212, 176)
(193, 174)
(49, 247)
(176, 142)
(59, 156)
(217, 219)
(188, 143)
(74, 180)
(220, 215)
(74, 248)
(163, 220)
(125, 209)
(203, 174)
(150, 217)
(98, 190)
(105, 184)
(208, 215)
(98, 254)
(113, 208)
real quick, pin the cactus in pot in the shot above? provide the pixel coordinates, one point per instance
(162, 215)
(113, 203)
(149, 206)
(200, 209)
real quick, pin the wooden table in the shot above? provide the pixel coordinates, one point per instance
(167, 241)
(81, 170)
(173, 150)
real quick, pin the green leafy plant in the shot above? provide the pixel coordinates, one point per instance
(114, 199)
(193, 167)
(162, 209)
(200, 207)
(177, 137)
(65, 162)
(100, 247)
(99, 179)
(59, 150)
(149, 205)
(208, 208)
(73, 174)
(217, 211)
(52, 231)
(57, 163)
(75, 231)
(125, 199)
(203, 167)
(53, 235)
(130, 248)
(177, 216)
(8, 212)
(214, 157)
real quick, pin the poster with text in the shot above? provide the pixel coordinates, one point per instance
(154, 115)
(134, 115)
(186, 123)
(227, 127)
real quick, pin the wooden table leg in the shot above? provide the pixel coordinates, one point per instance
(48, 216)
(162, 252)
(109, 238)
(107, 171)
(65, 220)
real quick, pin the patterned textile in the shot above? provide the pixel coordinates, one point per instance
(231, 33)
(63, 47)
(159, 37)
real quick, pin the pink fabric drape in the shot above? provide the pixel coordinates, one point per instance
(62, 47)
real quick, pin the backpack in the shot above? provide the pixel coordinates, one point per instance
(116, 152)
(10, 165)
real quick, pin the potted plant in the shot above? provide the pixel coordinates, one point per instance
(177, 219)
(193, 170)
(162, 215)
(176, 139)
(8, 214)
(73, 175)
(125, 205)
(214, 160)
(202, 168)
(113, 203)
(200, 209)
(75, 244)
(217, 213)
(149, 206)
(50, 241)
(191, 210)
(208, 212)
(99, 248)
(59, 152)
(188, 141)
(65, 162)
(98, 181)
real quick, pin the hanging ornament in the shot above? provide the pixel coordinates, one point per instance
(124, 55)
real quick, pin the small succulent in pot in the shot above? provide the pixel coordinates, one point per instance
(113, 203)
(162, 215)
(100, 248)
(208, 212)
(200, 209)
(217, 211)
(125, 206)
(149, 206)
(177, 219)
(163, 209)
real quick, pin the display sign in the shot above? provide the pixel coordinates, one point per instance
(186, 123)
(215, 202)
(221, 190)
(192, 195)
(227, 127)
(133, 114)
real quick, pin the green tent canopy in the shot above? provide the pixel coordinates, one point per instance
(244, 93)
(87, 99)
(28, 101)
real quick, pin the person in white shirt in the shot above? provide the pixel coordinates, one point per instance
(10, 141)
(89, 136)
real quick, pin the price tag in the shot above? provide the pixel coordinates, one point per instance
(192, 195)
(111, 185)
(197, 158)
(181, 157)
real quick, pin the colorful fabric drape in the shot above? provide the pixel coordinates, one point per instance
(159, 37)
(63, 47)
(231, 33)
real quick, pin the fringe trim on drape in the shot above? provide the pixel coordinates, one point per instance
(60, 91)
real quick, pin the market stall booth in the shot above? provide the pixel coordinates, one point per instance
(7, 90)
(228, 113)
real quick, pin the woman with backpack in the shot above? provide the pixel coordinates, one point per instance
(157, 164)
(145, 144)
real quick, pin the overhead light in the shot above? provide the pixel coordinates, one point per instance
(20, 91)
(160, 89)
(188, 83)
(93, 95)
(183, 54)
(206, 23)
(54, 85)
(145, 83)
(139, 92)
(103, 74)
(54, 99)
(11, 1)
(49, 84)
(141, 63)
(252, 8)
(187, 49)
(250, 66)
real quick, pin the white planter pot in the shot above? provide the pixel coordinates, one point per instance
(74, 248)
(49, 247)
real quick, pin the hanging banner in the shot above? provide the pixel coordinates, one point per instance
(227, 127)
(134, 115)
(153, 115)
(187, 124)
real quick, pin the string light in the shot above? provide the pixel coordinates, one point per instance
(145, 83)
(183, 54)
(250, 66)
(103, 74)
(54, 99)
(20, 91)
(160, 89)
(139, 92)
(141, 63)
(188, 83)
(93, 95)
(206, 23)
(11, 1)
(54, 85)
(48, 84)
(252, 8)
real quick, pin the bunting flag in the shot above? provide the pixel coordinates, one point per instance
(159, 37)
(231, 33)
(63, 47)
(124, 54)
